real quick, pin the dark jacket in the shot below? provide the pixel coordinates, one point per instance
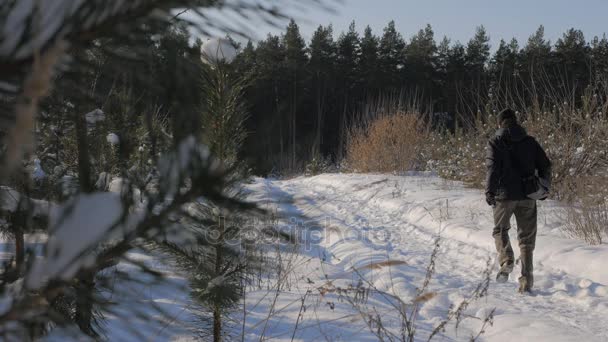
(512, 155)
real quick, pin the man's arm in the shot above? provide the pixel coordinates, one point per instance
(492, 175)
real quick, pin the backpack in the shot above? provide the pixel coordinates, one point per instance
(533, 186)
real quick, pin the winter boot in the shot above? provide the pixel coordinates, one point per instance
(526, 281)
(503, 273)
(526, 284)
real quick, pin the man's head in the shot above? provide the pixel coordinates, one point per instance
(507, 118)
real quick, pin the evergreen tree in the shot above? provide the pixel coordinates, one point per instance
(441, 74)
(536, 60)
(321, 66)
(369, 68)
(245, 63)
(349, 84)
(456, 71)
(102, 36)
(267, 97)
(296, 74)
(599, 58)
(477, 58)
(421, 62)
(179, 64)
(224, 112)
(391, 57)
(504, 71)
(478, 50)
(219, 263)
(477, 55)
(443, 57)
(572, 57)
(537, 48)
(504, 62)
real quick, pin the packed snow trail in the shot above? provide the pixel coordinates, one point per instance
(383, 228)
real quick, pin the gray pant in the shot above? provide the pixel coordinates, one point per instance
(525, 215)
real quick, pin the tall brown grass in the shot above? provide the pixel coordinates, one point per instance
(387, 144)
(388, 135)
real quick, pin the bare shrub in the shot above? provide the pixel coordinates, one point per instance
(587, 221)
(388, 143)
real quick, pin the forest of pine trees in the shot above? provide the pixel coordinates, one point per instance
(302, 95)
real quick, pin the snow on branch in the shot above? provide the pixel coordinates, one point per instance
(12, 201)
(90, 220)
(76, 229)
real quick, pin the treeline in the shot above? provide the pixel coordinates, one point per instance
(303, 95)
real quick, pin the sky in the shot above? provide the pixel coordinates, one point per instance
(456, 19)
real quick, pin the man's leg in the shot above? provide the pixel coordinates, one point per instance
(502, 217)
(525, 214)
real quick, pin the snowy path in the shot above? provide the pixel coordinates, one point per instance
(367, 219)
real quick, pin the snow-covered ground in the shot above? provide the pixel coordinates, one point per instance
(364, 247)
(377, 233)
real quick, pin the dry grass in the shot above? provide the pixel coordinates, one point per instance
(387, 143)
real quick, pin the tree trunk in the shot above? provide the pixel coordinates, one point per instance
(86, 285)
(342, 128)
(278, 115)
(293, 123)
(219, 259)
(19, 248)
(217, 323)
(84, 165)
(84, 304)
(320, 104)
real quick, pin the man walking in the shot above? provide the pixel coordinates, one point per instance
(513, 157)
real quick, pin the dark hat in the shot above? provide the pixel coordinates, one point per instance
(507, 115)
